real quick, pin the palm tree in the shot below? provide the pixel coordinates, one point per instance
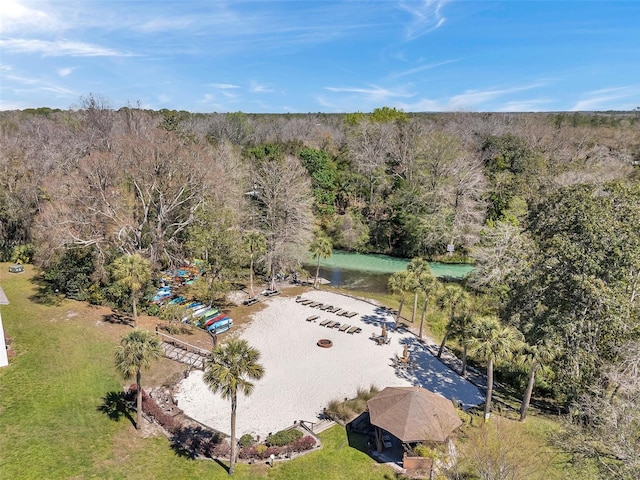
(136, 351)
(493, 342)
(428, 284)
(535, 356)
(452, 298)
(415, 269)
(462, 327)
(133, 272)
(321, 248)
(256, 245)
(401, 283)
(230, 368)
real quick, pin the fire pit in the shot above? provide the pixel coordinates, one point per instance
(325, 343)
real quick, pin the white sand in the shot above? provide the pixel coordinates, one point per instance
(301, 378)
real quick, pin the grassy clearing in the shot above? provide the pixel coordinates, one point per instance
(339, 459)
(51, 393)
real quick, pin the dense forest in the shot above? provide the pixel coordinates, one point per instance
(546, 205)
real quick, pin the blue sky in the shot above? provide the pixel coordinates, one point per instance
(322, 56)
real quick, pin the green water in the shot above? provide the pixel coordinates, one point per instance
(370, 272)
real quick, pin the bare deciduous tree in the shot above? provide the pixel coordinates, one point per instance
(283, 211)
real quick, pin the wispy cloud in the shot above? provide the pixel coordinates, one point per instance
(63, 72)
(256, 87)
(426, 16)
(352, 99)
(614, 98)
(223, 86)
(422, 68)
(17, 17)
(534, 105)
(60, 48)
(374, 93)
(474, 98)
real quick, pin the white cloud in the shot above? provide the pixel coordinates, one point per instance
(374, 93)
(60, 48)
(614, 98)
(223, 86)
(63, 72)
(525, 106)
(256, 87)
(426, 16)
(474, 98)
(422, 68)
(17, 17)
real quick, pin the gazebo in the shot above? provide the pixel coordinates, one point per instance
(412, 414)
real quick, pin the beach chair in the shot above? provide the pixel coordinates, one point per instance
(306, 302)
(300, 299)
(324, 323)
(320, 306)
(341, 312)
(332, 324)
(325, 307)
(344, 328)
(312, 318)
(314, 304)
(333, 309)
(351, 314)
(337, 325)
(352, 330)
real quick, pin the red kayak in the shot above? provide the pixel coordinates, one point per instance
(214, 319)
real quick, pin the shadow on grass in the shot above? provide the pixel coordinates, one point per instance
(359, 441)
(44, 294)
(118, 318)
(117, 405)
(191, 442)
(222, 464)
(360, 432)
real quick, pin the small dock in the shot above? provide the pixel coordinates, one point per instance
(183, 352)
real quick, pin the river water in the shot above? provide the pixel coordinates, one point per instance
(370, 272)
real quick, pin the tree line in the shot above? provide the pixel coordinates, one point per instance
(546, 205)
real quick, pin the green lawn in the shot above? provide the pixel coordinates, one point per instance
(51, 425)
(50, 396)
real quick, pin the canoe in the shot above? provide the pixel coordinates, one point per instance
(220, 326)
(212, 320)
(209, 314)
(196, 313)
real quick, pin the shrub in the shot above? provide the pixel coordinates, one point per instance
(169, 422)
(246, 440)
(275, 451)
(260, 450)
(220, 450)
(248, 452)
(302, 444)
(283, 437)
(423, 451)
(174, 328)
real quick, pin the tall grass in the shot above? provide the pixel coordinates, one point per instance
(347, 410)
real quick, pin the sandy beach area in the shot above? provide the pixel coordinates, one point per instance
(301, 377)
